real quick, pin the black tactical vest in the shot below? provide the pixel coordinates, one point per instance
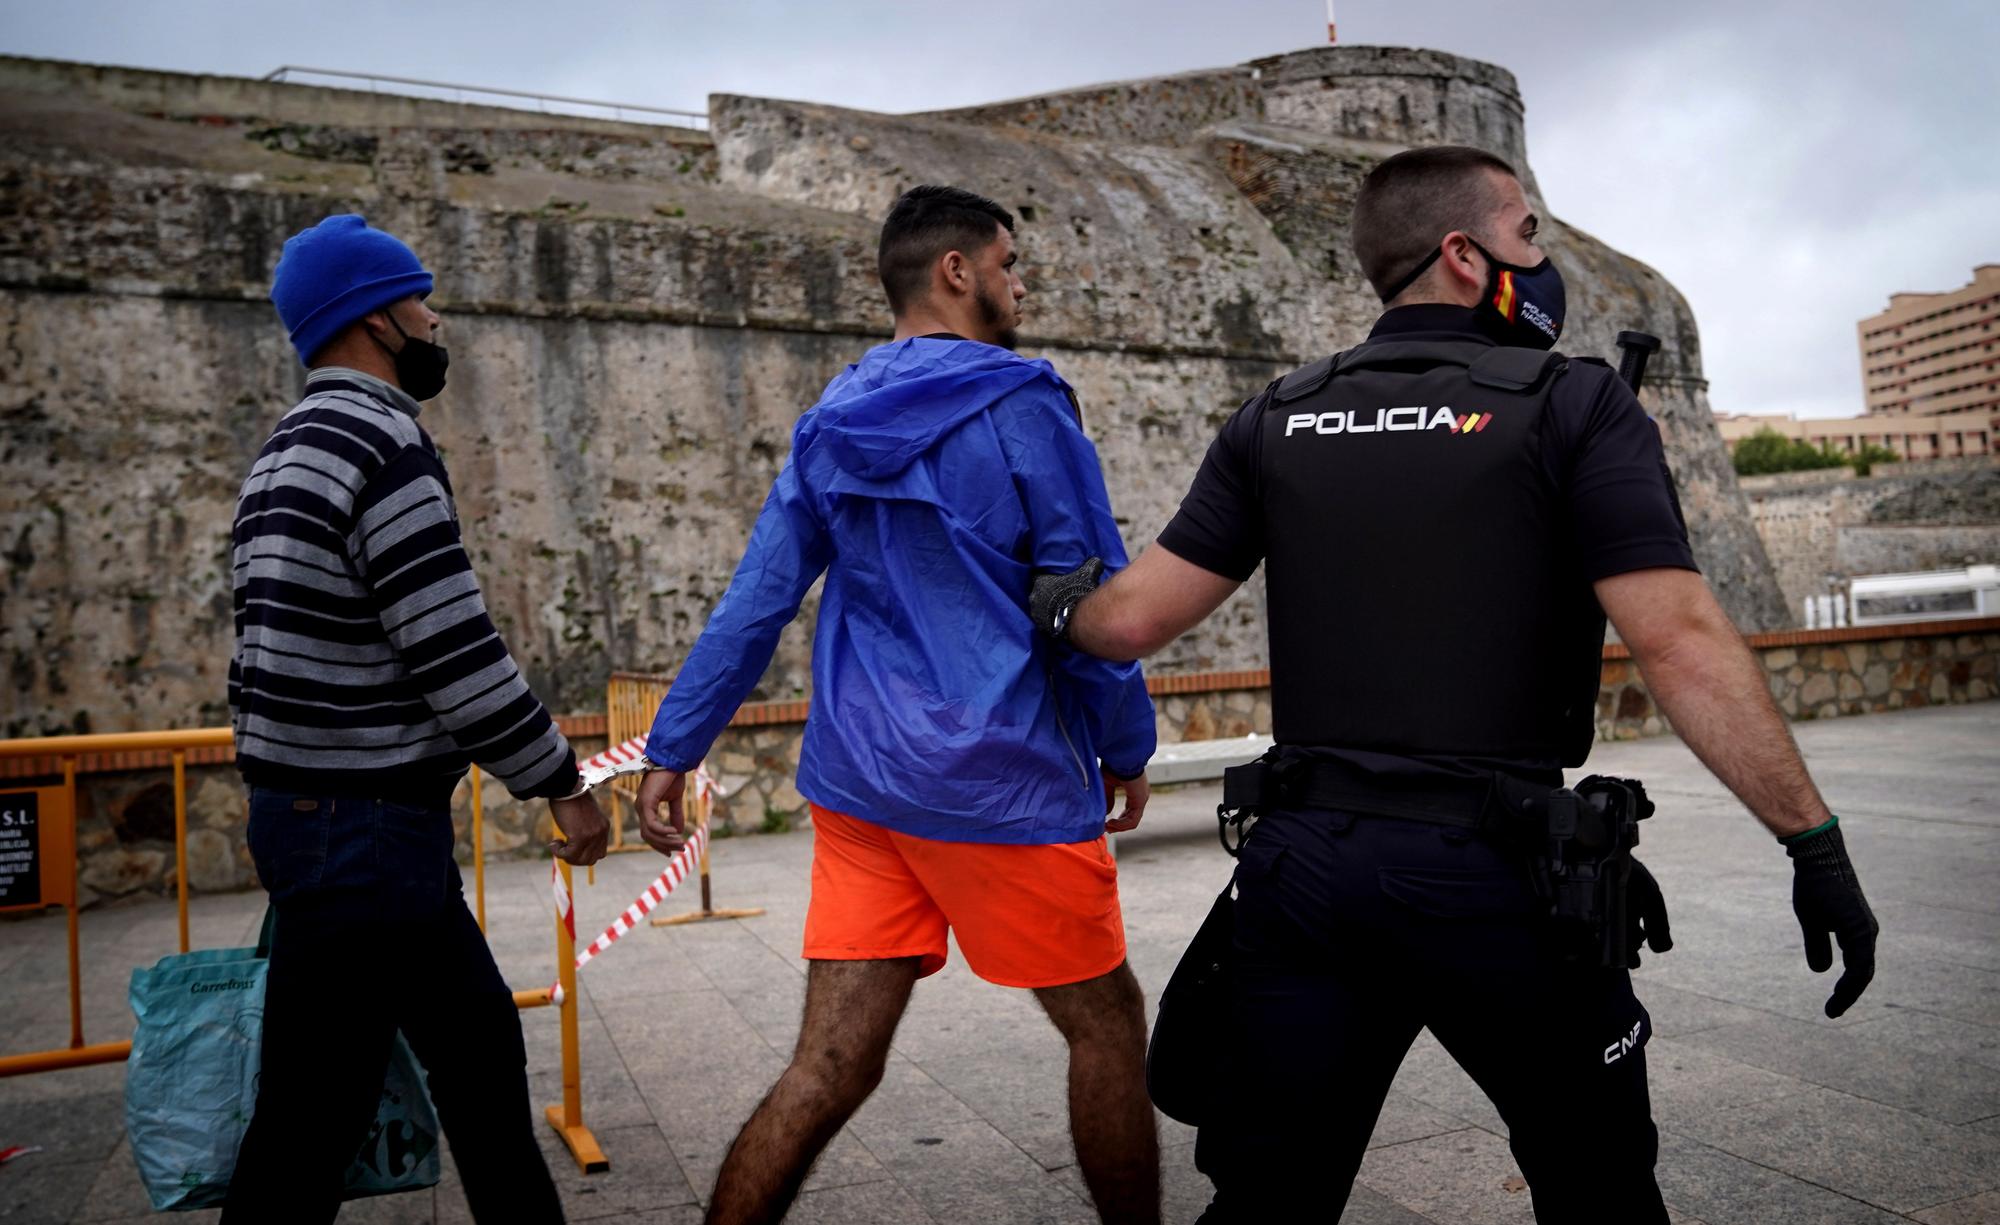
(1424, 599)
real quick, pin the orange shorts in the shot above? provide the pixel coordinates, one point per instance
(1025, 916)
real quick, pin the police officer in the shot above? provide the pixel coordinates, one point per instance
(1446, 514)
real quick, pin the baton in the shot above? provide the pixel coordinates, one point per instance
(1634, 349)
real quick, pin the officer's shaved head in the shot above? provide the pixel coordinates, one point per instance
(924, 224)
(1411, 201)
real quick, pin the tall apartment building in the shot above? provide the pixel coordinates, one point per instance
(1930, 376)
(1937, 354)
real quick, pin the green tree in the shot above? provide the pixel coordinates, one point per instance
(1769, 451)
(1872, 453)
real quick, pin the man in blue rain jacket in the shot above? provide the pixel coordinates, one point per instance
(960, 769)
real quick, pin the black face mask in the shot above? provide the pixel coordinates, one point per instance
(419, 364)
(1521, 306)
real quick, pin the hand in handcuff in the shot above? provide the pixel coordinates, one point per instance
(582, 827)
(667, 834)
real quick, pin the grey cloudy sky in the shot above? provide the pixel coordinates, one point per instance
(1787, 164)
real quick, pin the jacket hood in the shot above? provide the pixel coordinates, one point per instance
(893, 405)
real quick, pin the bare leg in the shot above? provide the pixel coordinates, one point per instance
(852, 1008)
(1110, 1116)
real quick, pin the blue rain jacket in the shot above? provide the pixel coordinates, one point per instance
(929, 482)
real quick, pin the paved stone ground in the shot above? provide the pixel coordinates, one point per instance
(1769, 1112)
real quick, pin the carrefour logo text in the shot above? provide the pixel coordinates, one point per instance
(227, 984)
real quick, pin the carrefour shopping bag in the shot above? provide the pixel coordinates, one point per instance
(192, 1082)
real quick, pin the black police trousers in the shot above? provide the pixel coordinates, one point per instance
(373, 936)
(1353, 933)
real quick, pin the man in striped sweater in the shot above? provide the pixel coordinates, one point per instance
(367, 676)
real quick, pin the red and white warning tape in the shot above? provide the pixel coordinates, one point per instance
(627, 758)
(685, 863)
(630, 758)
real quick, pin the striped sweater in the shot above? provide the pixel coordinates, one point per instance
(366, 664)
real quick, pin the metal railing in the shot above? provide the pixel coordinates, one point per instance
(696, 120)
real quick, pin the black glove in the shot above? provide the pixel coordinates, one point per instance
(1053, 597)
(1645, 915)
(1826, 895)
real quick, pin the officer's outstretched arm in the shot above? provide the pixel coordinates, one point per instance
(1147, 605)
(1713, 691)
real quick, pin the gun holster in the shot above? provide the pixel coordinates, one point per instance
(1579, 853)
(1251, 790)
(1577, 843)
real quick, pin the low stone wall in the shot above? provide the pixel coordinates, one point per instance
(125, 819)
(757, 758)
(1823, 674)
(1813, 674)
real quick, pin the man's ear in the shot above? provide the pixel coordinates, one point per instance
(1461, 261)
(956, 271)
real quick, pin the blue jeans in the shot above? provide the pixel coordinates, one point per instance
(336, 856)
(373, 936)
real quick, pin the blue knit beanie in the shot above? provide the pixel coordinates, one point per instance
(336, 272)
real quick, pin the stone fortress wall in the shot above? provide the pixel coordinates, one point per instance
(637, 315)
(1928, 515)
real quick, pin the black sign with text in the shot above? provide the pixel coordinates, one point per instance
(20, 849)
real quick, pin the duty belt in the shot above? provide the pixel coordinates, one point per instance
(1576, 845)
(1281, 780)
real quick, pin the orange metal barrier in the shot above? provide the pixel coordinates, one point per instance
(567, 1116)
(38, 869)
(631, 699)
(38, 859)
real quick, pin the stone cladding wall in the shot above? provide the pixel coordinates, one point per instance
(1813, 674)
(1824, 674)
